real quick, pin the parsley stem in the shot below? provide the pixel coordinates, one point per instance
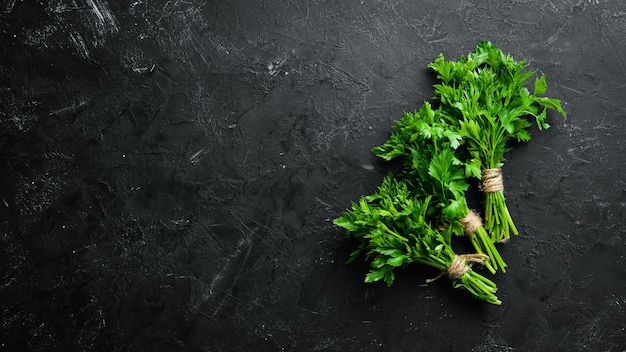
(403, 239)
(498, 220)
(479, 286)
(479, 247)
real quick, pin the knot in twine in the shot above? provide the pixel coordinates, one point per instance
(492, 180)
(459, 265)
(471, 222)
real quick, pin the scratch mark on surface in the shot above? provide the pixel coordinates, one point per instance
(105, 19)
(219, 276)
(556, 35)
(9, 6)
(95, 23)
(572, 89)
(446, 38)
(75, 106)
(513, 22)
(192, 38)
(78, 41)
(195, 158)
(6, 204)
(275, 65)
(328, 206)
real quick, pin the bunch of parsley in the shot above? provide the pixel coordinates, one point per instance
(484, 96)
(427, 146)
(482, 104)
(392, 228)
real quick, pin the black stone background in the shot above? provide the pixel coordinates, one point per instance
(171, 169)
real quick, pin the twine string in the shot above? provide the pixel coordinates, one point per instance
(492, 180)
(460, 266)
(471, 222)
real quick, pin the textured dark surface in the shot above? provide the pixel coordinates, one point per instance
(171, 169)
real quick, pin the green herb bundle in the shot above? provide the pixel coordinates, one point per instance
(485, 96)
(482, 104)
(427, 144)
(393, 230)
